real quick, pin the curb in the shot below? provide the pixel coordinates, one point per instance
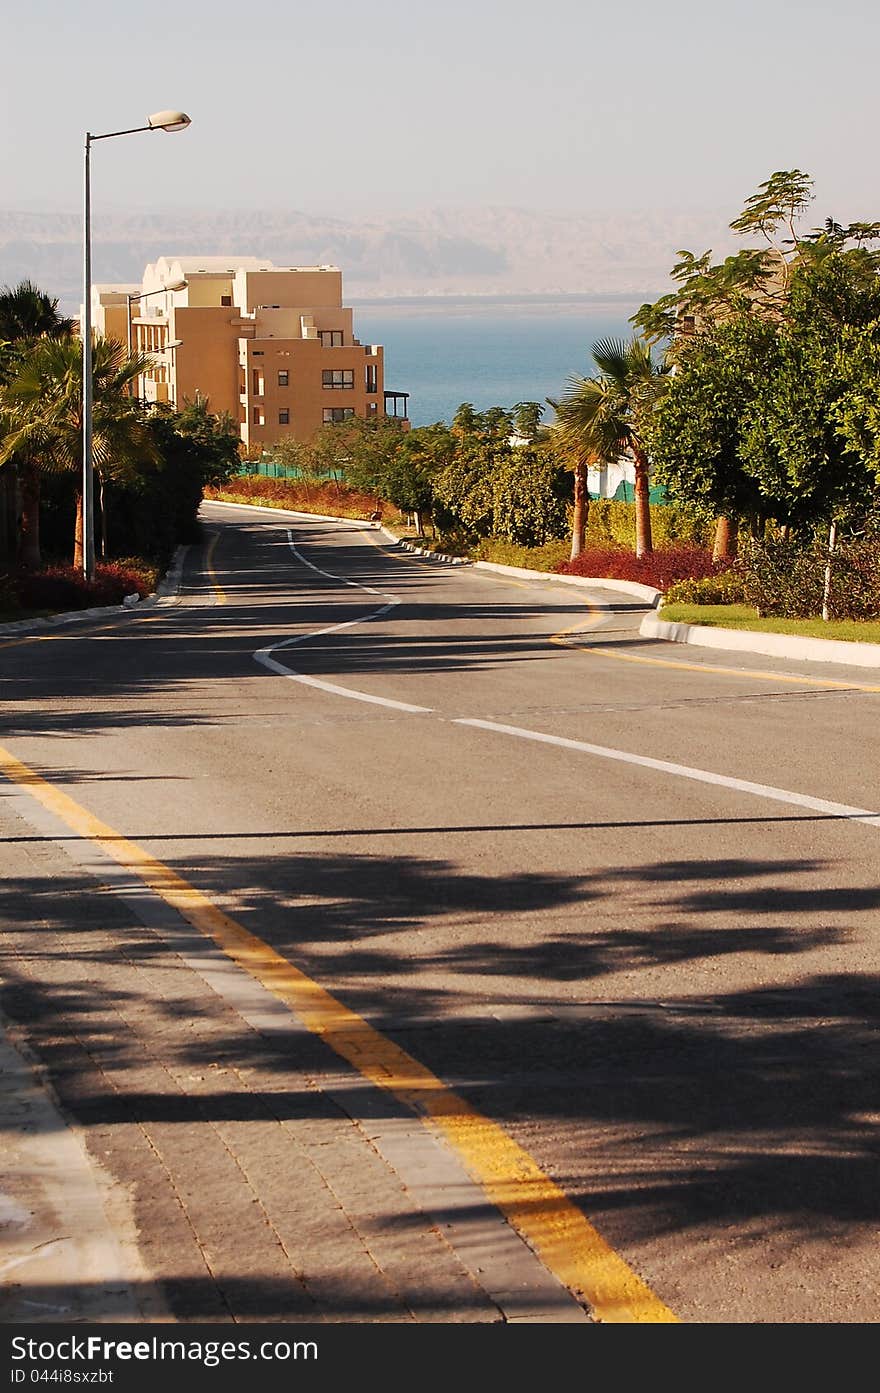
(647, 593)
(166, 593)
(806, 650)
(815, 650)
(362, 523)
(426, 553)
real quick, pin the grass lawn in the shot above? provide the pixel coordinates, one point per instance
(744, 617)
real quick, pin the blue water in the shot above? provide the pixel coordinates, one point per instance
(489, 355)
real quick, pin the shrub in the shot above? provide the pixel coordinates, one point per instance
(61, 588)
(786, 578)
(658, 569)
(306, 495)
(529, 499)
(611, 520)
(855, 580)
(545, 558)
(782, 578)
(726, 588)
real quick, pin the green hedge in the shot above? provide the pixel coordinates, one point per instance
(612, 520)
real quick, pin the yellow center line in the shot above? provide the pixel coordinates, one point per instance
(73, 632)
(563, 640)
(829, 683)
(541, 1213)
(219, 592)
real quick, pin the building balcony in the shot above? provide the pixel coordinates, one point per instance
(397, 405)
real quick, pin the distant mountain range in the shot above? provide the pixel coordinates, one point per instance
(438, 252)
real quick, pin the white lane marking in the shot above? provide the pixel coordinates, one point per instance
(264, 655)
(684, 771)
(385, 594)
(662, 766)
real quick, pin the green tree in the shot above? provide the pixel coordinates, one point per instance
(793, 444)
(857, 411)
(26, 314)
(463, 488)
(526, 419)
(695, 433)
(214, 435)
(42, 407)
(529, 496)
(159, 502)
(756, 279)
(413, 468)
(767, 410)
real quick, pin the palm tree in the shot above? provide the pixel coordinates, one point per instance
(603, 417)
(26, 314)
(43, 409)
(576, 454)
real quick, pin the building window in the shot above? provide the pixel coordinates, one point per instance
(257, 353)
(226, 300)
(284, 418)
(283, 378)
(337, 413)
(338, 377)
(330, 338)
(258, 382)
(372, 408)
(371, 378)
(257, 416)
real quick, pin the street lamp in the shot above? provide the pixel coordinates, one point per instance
(143, 295)
(169, 348)
(159, 121)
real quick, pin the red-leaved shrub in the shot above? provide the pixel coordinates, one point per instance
(306, 495)
(61, 588)
(659, 568)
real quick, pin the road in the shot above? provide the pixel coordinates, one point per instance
(410, 942)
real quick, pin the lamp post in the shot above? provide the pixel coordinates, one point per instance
(143, 295)
(169, 348)
(159, 121)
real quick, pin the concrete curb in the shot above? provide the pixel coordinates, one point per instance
(361, 523)
(628, 587)
(806, 650)
(815, 650)
(426, 553)
(166, 593)
(66, 1226)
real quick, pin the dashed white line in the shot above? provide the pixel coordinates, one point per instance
(683, 771)
(661, 766)
(264, 655)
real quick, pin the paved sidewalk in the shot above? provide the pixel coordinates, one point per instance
(67, 1238)
(211, 1159)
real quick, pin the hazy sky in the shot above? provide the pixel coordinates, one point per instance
(365, 105)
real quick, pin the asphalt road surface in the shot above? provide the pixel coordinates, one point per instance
(593, 917)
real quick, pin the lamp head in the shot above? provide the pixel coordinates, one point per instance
(168, 121)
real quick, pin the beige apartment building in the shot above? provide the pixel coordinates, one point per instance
(272, 345)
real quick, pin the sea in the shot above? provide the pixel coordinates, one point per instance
(487, 351)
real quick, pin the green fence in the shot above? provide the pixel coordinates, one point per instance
(270, 470)
(625, 493)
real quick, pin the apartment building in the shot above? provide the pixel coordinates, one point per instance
(272, 345)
